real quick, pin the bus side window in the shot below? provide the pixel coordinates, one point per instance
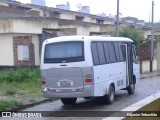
(120, 52)
(101, 53)
(95, 54)
(112, 53)
(117, 52)
(106, 51)
(123, 51)
(133, 52)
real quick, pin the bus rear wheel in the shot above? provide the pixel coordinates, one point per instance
(131, 89)
(68, 101)
(87, 98)
(111, 95)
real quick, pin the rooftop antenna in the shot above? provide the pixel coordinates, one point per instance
(79, 6)
(67, 3)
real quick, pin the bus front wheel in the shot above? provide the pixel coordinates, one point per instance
(111, 95)
(131, 89)
(68, 101)
(86, 98)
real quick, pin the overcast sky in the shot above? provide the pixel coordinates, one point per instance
(134, 8)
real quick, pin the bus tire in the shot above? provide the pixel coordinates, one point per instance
(68, 101)
(86, 98)
(131, 89)
(111, 95)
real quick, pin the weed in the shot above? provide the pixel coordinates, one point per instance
(10, 92)
(20, 75)
(19, 85)
(5, 105)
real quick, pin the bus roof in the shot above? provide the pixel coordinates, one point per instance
(87, 38)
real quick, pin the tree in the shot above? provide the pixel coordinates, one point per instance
(132, 34)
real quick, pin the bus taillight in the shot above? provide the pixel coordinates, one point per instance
(88, 80)
(43, 81)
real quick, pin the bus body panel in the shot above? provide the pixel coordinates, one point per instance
(105, 75)
(136, 71)
(88, 92)
(62, 82)
(74, 73)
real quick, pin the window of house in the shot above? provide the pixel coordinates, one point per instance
(56, 15)
(79, 18)
(23, 52)
(100, 21)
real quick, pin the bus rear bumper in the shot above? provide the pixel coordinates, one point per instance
(88, 91)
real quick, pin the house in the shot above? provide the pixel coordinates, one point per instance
(24, 27)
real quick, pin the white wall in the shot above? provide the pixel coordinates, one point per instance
(3, 3)
(93, 20)
(87, 19)
(35, 41)
(81, 30)
(67, 16)
(154, 68)
(6, 26)
(26, 26)
(158, 56)
(109, 22)
(145, 66)
(146, 33)
(6, 50)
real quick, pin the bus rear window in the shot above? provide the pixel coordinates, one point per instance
(62, 52)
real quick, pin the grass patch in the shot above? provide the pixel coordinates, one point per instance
(20, 75)
(6, 105)
(19, 84)
(21, 88)
(21, 80)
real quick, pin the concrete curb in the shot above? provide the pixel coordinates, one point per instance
(143, 76)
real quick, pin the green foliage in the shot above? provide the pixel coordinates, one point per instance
(21, 85)
(157, 40)
(20, 75)
(132, 34)
(20, 88)
(4, 105)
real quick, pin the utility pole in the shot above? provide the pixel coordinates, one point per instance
(117, 22)
(152, 39)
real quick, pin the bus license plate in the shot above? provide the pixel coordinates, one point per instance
(65, 83)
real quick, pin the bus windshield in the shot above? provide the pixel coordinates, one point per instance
(62, 52)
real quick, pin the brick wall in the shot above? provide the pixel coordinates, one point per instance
(144, 51)
(23, 40)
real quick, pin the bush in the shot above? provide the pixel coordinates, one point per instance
(20, 75)
(132, 34)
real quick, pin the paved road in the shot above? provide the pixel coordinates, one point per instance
(144, 88)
